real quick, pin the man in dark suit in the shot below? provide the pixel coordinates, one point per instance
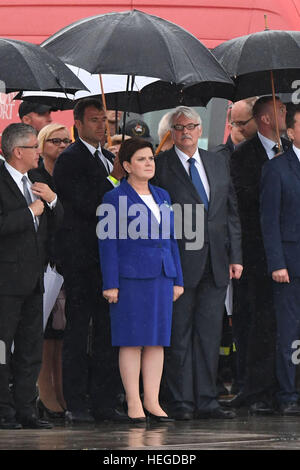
(194, 177)
(280, 222)
(253, 314)
(82, 174)
(26, 211)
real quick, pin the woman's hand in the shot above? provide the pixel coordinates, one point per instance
(177, 292)
(111, 295)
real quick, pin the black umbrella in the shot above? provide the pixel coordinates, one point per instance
(262, 63)
(135, 43)
(26, 66)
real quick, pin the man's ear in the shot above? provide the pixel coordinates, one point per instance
(26, 119)
(290, 133)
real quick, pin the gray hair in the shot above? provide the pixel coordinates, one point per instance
(14, 135)
(164, 126)
(185, 111)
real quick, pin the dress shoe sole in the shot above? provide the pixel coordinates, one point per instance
(11, 426)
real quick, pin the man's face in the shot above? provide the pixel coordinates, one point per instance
(242, 119)
(294, 132)
(29, 153)
(37, 121)
(92, 129)
(281, 115)
(186, 139)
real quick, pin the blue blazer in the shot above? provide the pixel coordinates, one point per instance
(140, 258)
(280, 212)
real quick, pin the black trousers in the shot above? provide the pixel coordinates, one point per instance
(90, 363)
(191, 362)
(254, 330)
(21, 323)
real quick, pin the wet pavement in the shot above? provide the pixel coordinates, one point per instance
(242, 433)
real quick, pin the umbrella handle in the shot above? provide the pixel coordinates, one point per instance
(163, 140)
(109, 142)
(275, 113)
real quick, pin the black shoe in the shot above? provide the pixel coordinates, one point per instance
(112, 414)
(45, 413)
(261, 408)
(289, 409)
(79, 417)
(158, 419)
(32, 422)
(237, 402)
(216, 413)
(181, 414)
(9, 423)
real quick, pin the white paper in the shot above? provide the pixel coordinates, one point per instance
(53, 282)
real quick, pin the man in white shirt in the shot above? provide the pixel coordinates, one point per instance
(280, 221)
(26, 211)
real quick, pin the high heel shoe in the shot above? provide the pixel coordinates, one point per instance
(44, 412)
(158, 419)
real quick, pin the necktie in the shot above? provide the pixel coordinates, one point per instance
(28, 198)
(99, 162)
(275, 149)
(197, 182)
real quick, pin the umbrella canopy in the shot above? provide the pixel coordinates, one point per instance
(249, 60)
(135, 43)
(26, 66)
(144, 94)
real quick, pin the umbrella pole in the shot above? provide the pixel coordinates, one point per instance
(124, 114)
(105, 109)
(163, 140)
(275, 113)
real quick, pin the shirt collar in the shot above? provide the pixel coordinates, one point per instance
(267, 143)
(15, 174)
(297, 151)
(185, 157)
(90, 147)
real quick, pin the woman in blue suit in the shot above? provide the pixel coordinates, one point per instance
(141, 276)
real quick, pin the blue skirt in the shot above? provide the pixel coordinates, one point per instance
(143, 314)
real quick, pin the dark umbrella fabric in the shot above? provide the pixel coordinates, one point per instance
(135, 43)
(25, 66)
(249, 60)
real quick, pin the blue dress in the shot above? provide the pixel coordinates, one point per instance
(143, 269)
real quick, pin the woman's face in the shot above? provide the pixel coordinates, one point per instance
(141, 165)
(53, 148)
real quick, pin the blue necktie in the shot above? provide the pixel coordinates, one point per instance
(197, 182)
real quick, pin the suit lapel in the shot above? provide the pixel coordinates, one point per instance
(210, 170)
(177, 168)
(12, 185)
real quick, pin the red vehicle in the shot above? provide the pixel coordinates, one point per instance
(211, 22)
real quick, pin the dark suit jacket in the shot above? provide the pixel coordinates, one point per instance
(22, 249)
(227, 148)
(246, 168)
(141, 258)
(280, 212)
(80, 185)
(221, 223)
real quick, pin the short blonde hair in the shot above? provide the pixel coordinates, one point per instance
(46, 132)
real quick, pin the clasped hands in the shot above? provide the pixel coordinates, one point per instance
(112, 295)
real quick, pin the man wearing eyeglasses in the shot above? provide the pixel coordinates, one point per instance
(27, 208)
(242, 117)
(195, 177)
(253, 313)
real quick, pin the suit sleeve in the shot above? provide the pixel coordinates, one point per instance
(107, 232)
(75, 187)
(270, 205)
(234, 225)
(174, 246)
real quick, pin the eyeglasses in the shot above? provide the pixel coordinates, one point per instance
(241, 123)
(189, 127)
(28, 146)
(58, 141)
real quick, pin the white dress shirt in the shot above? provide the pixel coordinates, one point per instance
(199, 165)
(268, 145)
(297, 152)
